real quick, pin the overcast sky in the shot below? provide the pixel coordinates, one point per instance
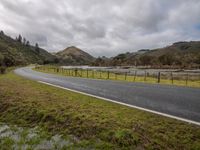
(102, 27)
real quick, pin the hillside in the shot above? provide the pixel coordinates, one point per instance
(183, 54)
(13, 52)
(74, 56)
(177, 55)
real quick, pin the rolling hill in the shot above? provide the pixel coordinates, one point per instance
(177, 55)
(74, 56)
(13, 53)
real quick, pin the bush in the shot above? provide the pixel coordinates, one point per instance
(2, 70)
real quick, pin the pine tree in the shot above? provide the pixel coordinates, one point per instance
(37, 49)
(19, 39)
(27, 43)
(24, 41)
(1, 33)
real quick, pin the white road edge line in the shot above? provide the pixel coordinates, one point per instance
(121, 103)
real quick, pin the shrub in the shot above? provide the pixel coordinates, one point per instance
(2, 70)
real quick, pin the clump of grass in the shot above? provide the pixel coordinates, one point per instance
(6, 143)
(96, 123)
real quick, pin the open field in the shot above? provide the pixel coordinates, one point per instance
(94, 123)
(171, 78)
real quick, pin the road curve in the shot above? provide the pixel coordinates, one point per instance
(177, 101)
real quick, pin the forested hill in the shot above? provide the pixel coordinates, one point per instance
(177, 55)
(18, 51)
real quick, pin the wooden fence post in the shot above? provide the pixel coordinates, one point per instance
(158, 77)
(199, 79)
(125, 75)
(76, 72)
(100, 74)
(81, 72)
(145, 76)
(172, 78)
(135, 75)
(92, 73)
(87, 73)
(108, 75)
(187, 77)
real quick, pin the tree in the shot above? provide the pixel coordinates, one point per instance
(120, 57)
(146, 60)
(2, 69)
(27, 43)
(9, 61)
(56, 60)
(167, 59)
(19, 39)
(37, 49)
(99, 62)
(1, 60)
(1, 33)
(24, 41)
(2, 65)
(197, 59)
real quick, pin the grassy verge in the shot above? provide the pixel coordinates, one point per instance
(121, 77)
(95, 123)
(14, 137)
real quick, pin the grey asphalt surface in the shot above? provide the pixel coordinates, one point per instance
(181, 102)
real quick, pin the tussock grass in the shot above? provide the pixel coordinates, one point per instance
(95, 123)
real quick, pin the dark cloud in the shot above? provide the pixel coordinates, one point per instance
(102, 27)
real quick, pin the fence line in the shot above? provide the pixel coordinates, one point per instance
(186, 79)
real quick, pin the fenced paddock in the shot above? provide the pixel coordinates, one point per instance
(160, 77)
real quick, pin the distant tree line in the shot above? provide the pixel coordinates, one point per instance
(168, 60)
(26, 42)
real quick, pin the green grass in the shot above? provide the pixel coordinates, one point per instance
(95, 123)
(178, 80)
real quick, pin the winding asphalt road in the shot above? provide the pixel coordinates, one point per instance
(183, 102)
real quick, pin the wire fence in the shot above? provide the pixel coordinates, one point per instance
(165, 77)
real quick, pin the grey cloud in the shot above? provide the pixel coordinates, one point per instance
(102, 27)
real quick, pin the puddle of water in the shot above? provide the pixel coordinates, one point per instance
(30, 138)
